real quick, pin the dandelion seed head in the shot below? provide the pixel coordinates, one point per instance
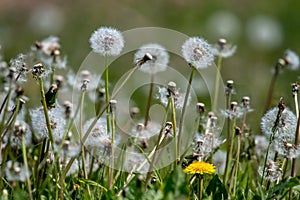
(21, 65)
(14, 137)
(286, 128)
(291, 59)
(14, 171)
(272, 171)
(136, 162)
(205, 145)
(286, 149)
(261, 144)
(219, 160)
(223, 49)
(164, 94)
(159, 61)
(197, 52)
(57, 122)
(107, 41)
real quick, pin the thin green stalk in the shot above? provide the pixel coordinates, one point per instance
(293, 170)
(271, 87)
(200, 187)
(111, 171)
(174, 131)
(26, 167)
(5, 107)
(48, 123)
(229, 156)
(52, 75)
(107, 94)
(158, 142)
(217, 83)
(149, 100)
(184, 107)
(237, 162)
(82, 147)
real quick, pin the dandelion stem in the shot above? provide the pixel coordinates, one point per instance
(111, 171)
(26, 166)
(48, 123)
(293, 170)
(228, 140)
(271, 87)
(107, 95)
(184, 107)
(5, 105)
(229, 153)
(274, 129)
(149, 100)
(217, 83)
(82, 147)
(200, 187)
(174, 130)
(158, 142)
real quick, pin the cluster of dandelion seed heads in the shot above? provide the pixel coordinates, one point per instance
(197, 52)
(159, 61)
(107, 41)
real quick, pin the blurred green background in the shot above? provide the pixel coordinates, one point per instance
(262, 30)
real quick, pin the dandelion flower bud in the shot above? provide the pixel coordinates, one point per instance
(134, 111)
(172, 88)
(113, 104)
(200, 107)
(197, 52)
(84, 85)
(38, 70)
(107, 41)
(155, 56)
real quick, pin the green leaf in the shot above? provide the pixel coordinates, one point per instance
(284, 184)
(92, 183)
(216, 188)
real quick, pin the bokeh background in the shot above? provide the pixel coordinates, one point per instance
(262, 30)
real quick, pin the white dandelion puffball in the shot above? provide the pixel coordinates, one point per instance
(286, 127)
(292, 59)
(158, 63)
(197, 52)
(107, 41)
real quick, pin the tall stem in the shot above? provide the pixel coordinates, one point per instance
(149, 100)
(48, 123)
(111, 171)
(271, 88)
(174, 130)
(200, 187)
(184, 107)
(293, 171)
(107, 95)
(217, 83)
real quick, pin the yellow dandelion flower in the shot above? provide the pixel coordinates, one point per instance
(200, 168)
